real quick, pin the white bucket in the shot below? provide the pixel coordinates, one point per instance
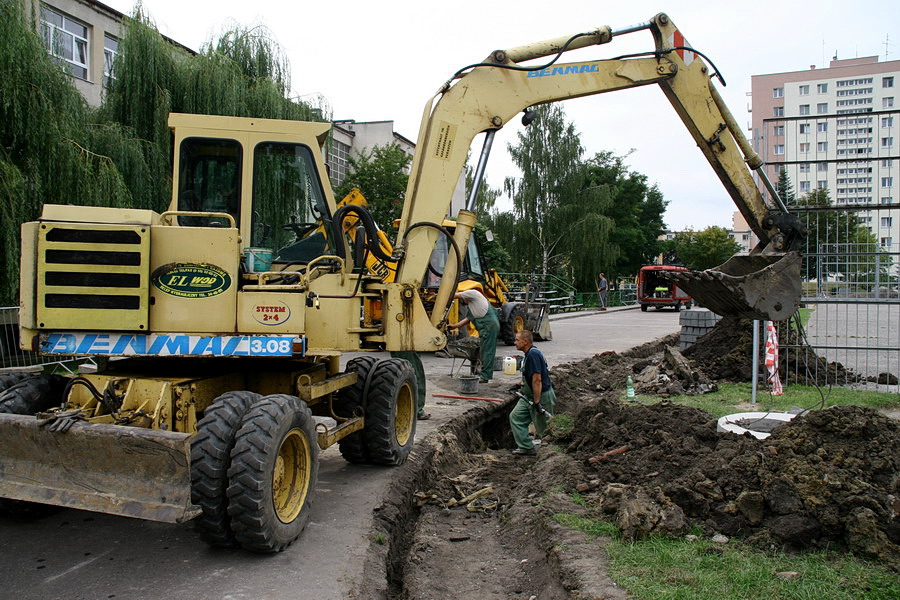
(509, 365)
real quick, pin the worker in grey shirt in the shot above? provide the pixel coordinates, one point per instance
(485, 319)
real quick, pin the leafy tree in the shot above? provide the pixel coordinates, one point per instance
(560, 221)
(381, 176)
(705, 249)
(637, 209)
(837, 242)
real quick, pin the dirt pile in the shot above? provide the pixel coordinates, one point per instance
(830, 477)
(726, 352)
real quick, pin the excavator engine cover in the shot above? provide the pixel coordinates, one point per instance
(755, 286)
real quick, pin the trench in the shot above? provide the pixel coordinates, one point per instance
(419, 548)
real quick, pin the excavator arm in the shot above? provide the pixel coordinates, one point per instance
(486, 96)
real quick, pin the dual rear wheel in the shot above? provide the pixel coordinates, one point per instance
(254, 467)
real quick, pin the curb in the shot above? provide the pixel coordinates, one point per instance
(585, 313)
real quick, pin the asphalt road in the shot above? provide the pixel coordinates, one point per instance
(80, 555)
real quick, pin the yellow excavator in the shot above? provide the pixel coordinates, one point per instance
(515, 315)
(218, 325)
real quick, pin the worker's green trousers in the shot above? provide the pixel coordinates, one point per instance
(416, 362)
(524, 413)
(488, 328)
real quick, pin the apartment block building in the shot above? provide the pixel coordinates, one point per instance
(836, 128)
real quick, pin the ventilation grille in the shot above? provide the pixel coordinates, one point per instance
(93, 277)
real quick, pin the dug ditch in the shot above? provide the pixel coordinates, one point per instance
(466, 518)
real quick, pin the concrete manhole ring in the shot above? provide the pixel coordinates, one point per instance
(758, 424)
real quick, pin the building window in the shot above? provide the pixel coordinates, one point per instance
(887, 199)
(822, 184)
(822, 127)
(887, 121)
(822, 108)
(804, 147)
(822, 88)
(887, 181)
(887, 221)
(338, 159)
(779, 130)
(66, 40)
(887, 102)
(804, 186)
(779, 149)
(778, 111)
(887, 163)
(886, 243)
(778, 92)
(887, 82)
(887, 142)
(804, 90)
(804, 109)
(820, 167)
(822, 147)
(804, 167)
(804, 127)
(110, 51)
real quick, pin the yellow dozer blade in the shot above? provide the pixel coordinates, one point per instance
(128, 471)
(757, 286)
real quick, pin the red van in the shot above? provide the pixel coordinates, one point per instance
(655, 290)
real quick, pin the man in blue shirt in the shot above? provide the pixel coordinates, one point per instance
(538, 390)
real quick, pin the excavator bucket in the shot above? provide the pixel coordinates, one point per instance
(758, 286)
(128, 471)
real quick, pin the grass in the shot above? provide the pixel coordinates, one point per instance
(735, 397)
(666, 568)
(592, 527)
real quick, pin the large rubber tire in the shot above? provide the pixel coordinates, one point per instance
(7, 380)
(643, 308)
(391, 412)
(274, 468)
(678, 307)
(33, 394)
(28, 396)
(513, 324)
(350, 400)
(210, 459)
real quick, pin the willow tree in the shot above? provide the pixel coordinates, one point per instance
(561, 224)
(49, 141)
(56, 149)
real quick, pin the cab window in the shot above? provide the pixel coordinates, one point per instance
(288, 203)
(209, 178)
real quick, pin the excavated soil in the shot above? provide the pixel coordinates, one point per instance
(468, 519)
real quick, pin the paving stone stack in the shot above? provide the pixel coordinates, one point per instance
(696, 322)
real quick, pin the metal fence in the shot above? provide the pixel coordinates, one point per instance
(851, 299)
(11, 356)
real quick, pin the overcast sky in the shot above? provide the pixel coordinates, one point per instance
(375, 61)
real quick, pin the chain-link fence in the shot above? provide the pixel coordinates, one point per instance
(851, 298)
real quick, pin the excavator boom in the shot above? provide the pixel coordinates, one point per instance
(486, 96)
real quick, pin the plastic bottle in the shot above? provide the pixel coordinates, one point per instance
(629, 389)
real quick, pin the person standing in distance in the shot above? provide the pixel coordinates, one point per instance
(485, 319)
(602, 288)
(537, 390)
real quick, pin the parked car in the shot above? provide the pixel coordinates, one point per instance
(653, 289)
